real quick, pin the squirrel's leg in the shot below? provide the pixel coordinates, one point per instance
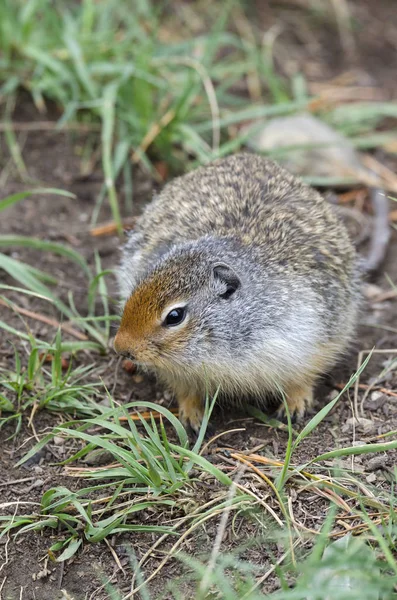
(191, 410)
(299, 398)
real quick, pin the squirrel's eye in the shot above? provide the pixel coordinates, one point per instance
(175, 317)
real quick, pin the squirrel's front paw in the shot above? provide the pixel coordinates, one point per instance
(299, 399)
(191, 412)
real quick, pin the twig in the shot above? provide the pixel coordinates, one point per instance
(30, 421)
(47, 320)
(388, 295)
(111, 228)
(363, 386)
(2, 584)
(15, 481)
(381, 231)
(116, 558)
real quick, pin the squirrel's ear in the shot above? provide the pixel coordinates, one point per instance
(226, 280)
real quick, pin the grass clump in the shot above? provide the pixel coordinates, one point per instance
(148, 471)
(46, 379)
(40, 284)
(147, 466)
(155, 93)
(49, 382)
(117, 66)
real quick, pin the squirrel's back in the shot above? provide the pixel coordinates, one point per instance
(250, 199)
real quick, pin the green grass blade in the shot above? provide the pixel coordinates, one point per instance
(46, 246)
(70, 550)
(10, 200)
(355, 450)
(204, 463)
(108, 120)
(320, 416)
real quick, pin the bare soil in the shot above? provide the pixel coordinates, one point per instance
(54, 159)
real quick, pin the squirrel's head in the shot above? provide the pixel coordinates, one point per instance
(171, 319)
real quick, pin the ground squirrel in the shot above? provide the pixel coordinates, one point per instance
(240, 278)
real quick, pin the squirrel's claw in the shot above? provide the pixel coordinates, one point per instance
(191, 412)
(299, 399)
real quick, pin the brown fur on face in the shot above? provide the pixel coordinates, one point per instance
(142, 334)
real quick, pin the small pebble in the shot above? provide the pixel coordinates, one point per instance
(377, 399)
(34, 460)
(58, 440)
(359, 443)
(105, 402)
(98, 457)
(386, 409)
(137, 378)
(377, 462)
(371, 478)
(361, 424)
(38, 483)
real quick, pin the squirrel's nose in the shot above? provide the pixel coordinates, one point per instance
(121, 347)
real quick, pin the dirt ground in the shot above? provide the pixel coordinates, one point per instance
(54, 159)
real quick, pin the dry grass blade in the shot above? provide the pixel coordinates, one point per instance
(247, 463)
(387, 176)
(152, 133)
(273, 568)
(146, 415)
(360, 358)
(205, 581)
(177, 526)
(175, 548)
(343, 20)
